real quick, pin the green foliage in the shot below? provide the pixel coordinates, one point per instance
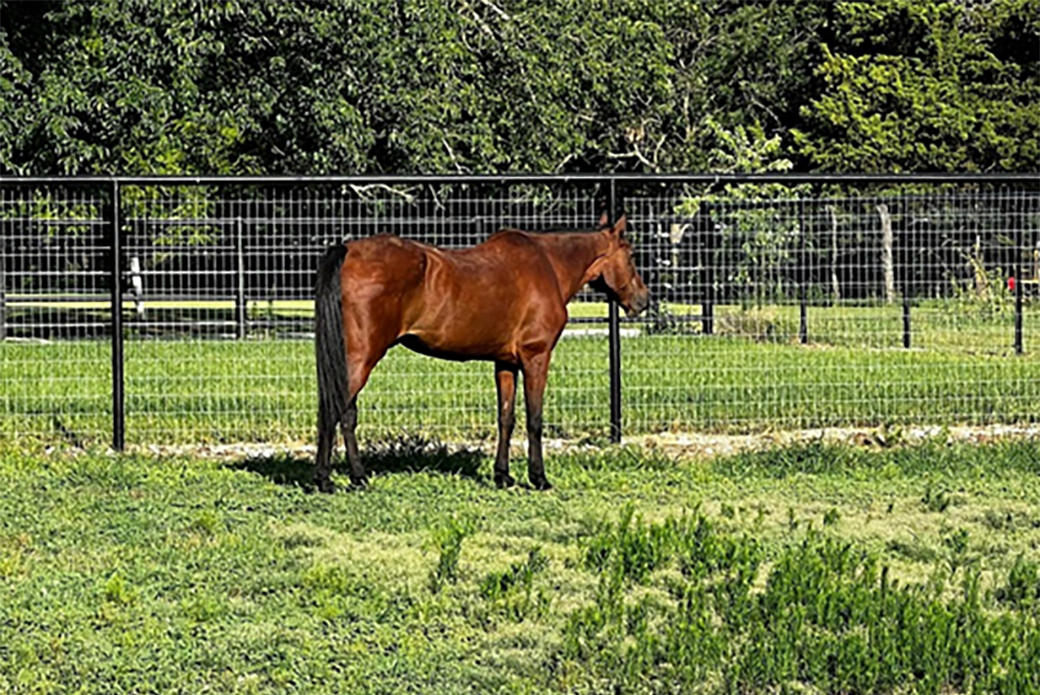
(447, 541)
(985, 295)
(829, 617)
(354, 86)
(937, 85)
(935, 499)
(662, 320)
(822, 459)
(511, 592)
(342, 87)
(764, 239)
(1022, 589)
(645, 641)
(117, 591)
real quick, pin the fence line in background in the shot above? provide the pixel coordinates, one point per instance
(773, 292)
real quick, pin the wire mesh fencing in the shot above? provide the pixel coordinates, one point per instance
(777, 304)
(789, 307)
(220, 343)
(55, 309)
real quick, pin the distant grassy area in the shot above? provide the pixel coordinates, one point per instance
(751, 374)
(934, 324)
(823, 569)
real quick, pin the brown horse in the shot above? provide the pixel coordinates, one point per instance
(504, 301)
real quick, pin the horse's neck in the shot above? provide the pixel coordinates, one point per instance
(572, 255)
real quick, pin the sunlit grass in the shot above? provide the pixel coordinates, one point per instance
(153, 574)
(752, 374)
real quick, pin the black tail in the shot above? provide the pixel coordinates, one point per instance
(329, 344)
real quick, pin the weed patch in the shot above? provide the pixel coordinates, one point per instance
(830, 617)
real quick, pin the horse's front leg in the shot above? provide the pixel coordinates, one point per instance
(505, 381)
(536, 371)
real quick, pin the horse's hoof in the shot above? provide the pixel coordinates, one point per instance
(504, 481)
(358, 483)
(542, 484)
(325, 485)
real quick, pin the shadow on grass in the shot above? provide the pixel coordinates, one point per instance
(402, 455)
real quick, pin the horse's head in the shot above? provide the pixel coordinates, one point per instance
(617, 274)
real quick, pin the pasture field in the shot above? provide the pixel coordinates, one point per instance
(751, 375)
(805, 569)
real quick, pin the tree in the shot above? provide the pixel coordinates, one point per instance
(353, 86)
(368, 86)
(347, 86)
(927, 85)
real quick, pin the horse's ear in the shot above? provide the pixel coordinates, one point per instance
(619, 226)
(604, 221)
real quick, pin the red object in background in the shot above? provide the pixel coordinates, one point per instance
(1011, 284)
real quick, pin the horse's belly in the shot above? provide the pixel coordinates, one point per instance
(447, 348)
(481, 318)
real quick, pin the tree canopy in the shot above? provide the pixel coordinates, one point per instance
(487, 86)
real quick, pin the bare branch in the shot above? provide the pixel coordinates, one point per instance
(498, 10)
(365, 191)
(454, 160)
(634, 154)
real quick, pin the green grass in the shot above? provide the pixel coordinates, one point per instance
(751, 375)
(194, 391)
(808, 569)
(217, 405)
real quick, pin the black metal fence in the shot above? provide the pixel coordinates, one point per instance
(948, 264)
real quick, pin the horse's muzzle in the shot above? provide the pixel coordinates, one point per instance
(638, 305)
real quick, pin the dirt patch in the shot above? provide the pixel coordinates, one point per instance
(692, 445)
(706, 446)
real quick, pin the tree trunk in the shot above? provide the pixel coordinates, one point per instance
(978, 267)
(887, 257)
(835, 286)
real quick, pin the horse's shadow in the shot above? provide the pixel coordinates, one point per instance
(401, 455)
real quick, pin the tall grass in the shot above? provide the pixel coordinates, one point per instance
(829, 617)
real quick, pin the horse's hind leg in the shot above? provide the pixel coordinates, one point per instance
(323, 462)
(359, 368)
(536, 371)
(505, 380)
(349, 427)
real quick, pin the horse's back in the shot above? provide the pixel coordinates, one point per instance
(507, 271)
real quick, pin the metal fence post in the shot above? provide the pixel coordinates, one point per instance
(803, 316)
(614, 332)
(803, 283)
(707, 228)
(118, 414)
(1018, 268)
(907, 287)
(899, 250)
(906, 322)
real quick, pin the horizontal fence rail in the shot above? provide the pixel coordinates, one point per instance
(779, 301)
